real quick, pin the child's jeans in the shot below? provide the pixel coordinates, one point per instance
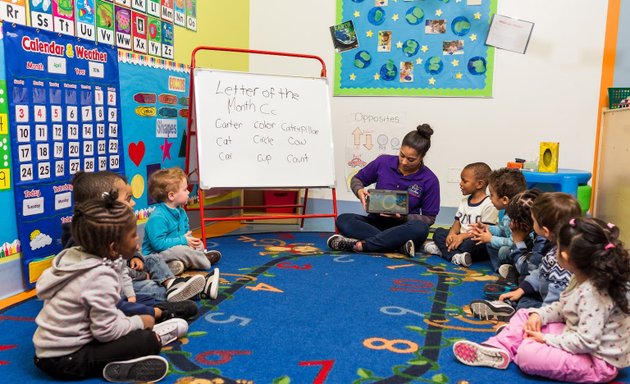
(499, 256)
(544, 360)
(90, 360)
(476, 251)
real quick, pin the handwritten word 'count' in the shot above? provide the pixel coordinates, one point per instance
(241, 90)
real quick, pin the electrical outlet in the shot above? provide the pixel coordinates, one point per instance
(453, 175)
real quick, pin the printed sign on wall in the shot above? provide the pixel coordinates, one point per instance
(41, 15)
(64, 118)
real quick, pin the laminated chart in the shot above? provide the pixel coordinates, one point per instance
(416, 48)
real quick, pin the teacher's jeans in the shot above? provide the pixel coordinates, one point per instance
(380, 233)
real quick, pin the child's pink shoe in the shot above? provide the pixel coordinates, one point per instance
(475, 354)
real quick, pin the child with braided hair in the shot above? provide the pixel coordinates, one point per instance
(583, 337)
(80, 332)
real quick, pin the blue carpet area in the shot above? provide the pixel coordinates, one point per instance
(292, 311)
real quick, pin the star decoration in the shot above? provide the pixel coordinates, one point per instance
(432, 81)
(356, 14)
(455, 63)
(377, 76)
(477, 16)
(399, 44)
(418, 61)
(353, 76)
(424, 48)
(459, 75)
(473, 37)
(395, 17)
(369, 33)
(166, 149)
(438, 12)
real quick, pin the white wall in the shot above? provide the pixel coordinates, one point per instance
(548, 94)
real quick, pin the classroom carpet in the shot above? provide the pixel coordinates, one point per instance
(292, 311)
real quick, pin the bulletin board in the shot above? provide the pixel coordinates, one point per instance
(64, 114)
(155, 118)
(416, 48)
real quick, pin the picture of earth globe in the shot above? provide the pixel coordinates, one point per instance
(460, 26)
(477, 65)
(362, 59)
(434, 65)
(389, 71)
(414, 15)
(410, 47)
(376, 16)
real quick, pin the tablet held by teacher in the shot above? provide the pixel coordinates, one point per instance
(380, 232)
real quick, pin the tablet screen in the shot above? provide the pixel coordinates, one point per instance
(388, 201)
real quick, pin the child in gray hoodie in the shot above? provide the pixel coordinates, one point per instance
(80, 332)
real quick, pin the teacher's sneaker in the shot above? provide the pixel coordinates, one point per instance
(184, 288)
(408, 249)
(340, 243)
(144, 369)
(431, 248)
(475, 354)
(171, 330)
(491, 310)
(212, 255)
(464, 259)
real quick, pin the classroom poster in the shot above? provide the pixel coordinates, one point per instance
(84, 11)
(63, 16)
(154, 8)
(167, 10)
(416, 48)
(191, 15)
(139, 5)
(180, 13)
(105, 22)
(123, 27)
(13, 11)
(139, 25)
(167, 40)
(41, 14)
(155, 119)
(9, 243)
(64, 117)
(154, 29)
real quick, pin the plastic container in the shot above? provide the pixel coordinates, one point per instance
(280, 198)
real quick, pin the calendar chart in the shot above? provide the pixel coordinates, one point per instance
(64, 115)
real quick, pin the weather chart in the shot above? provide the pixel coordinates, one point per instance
(64, 104)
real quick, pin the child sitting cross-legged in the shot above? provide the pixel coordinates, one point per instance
(80, 332)
(585, 336)
(456, 244)
(167, 232)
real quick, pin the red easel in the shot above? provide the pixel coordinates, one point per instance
(192, 131)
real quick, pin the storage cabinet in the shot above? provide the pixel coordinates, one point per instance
(256, 199)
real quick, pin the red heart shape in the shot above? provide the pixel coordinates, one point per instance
(136, 152)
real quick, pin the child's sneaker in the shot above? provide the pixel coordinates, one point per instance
(184, 288)
(184, 309)
(176, 266)
(492, 291)
(211, 286)
(475, 354)
(463, 259)
(171, 330)
(408, 249)
(340, 243)
(146, 368)
(431, 248)
(509, 273)
(491, 310)
(212, 255)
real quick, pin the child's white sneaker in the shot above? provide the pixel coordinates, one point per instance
(171, 330)
(431, 248)
(143, 369)
(475, 354)
(211, 287)
(463, 259)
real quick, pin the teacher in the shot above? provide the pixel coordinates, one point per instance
(407, 172)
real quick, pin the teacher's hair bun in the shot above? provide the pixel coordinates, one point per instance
(425, 130)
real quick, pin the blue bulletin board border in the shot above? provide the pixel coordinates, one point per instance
(64, 113)
(440, 46)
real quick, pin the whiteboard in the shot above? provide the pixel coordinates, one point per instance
(258, 130)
